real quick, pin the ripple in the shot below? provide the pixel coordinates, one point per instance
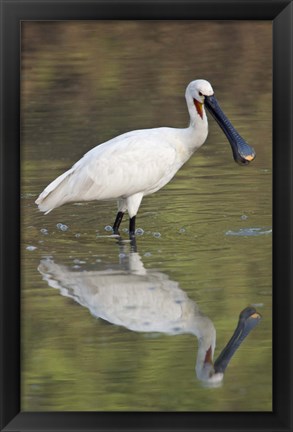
(31, 248)
(62, 227)
(78, 261)
(248, 232)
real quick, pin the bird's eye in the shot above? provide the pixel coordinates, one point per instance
(200, 93)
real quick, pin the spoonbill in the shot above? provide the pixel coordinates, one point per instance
(146, 300)
(138, 163)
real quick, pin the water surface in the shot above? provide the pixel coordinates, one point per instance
(207, 235)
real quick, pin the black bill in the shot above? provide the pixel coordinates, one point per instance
(242, 152)
(248, 319)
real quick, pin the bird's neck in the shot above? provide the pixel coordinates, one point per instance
(197, 114)
(197, 130)
(195, 135)
(206, 334)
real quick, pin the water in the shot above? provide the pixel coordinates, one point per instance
(205, 238)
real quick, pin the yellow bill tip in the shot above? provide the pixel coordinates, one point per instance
(250, 157)
(255, 315)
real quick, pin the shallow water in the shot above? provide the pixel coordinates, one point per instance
(205, 238)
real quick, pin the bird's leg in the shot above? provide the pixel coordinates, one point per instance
(132, 227)
(133, 246)
(117, 222)
(133, 203)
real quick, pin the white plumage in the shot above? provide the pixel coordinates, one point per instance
(132, 165)
(146, 300)
(141, 300)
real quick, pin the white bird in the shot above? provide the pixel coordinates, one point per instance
(146, 300)
(140, 162)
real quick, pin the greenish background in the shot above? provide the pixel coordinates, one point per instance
(209, 230)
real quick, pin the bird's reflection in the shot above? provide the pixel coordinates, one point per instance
(146, 300)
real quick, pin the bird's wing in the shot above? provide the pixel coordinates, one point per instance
(131, 163)
(150, 302)
(138, 161)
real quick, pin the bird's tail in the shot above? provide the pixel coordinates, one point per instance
(55, 194)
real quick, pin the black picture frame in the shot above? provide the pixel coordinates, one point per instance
(280, 12)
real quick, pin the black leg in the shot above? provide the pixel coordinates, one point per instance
(117, 222)
(133, 247)
(132, 227)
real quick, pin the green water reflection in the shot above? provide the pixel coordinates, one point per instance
(208, 231)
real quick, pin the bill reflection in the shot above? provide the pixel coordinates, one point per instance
(146, 300)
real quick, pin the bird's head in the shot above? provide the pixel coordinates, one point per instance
(199, 95)
(196, 92)
(205, 370)
(212, 374)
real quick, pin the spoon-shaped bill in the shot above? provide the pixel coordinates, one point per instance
(248, 319)
(242, 152)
